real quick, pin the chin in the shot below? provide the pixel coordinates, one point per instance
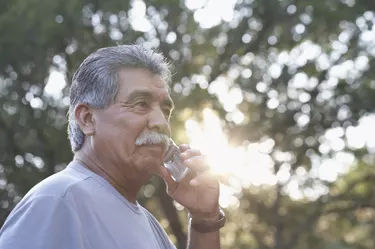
(151, 167)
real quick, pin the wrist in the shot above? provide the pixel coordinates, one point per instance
(206, 217)
(208, 224)
(211, 214)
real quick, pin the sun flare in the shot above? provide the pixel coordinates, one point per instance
(242, 165)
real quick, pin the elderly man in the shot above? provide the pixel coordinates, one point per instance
(119, 129)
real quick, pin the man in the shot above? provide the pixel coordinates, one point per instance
(119, 129)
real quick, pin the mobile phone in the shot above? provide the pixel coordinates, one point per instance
(174, 163)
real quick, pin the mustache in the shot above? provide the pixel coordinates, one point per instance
(153, 137)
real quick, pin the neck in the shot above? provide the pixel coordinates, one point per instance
(110, 173)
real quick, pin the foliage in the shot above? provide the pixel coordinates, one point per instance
(304, 68)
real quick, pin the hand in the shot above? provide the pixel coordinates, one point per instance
(199, 191)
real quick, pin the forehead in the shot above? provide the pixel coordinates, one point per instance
(131, 80)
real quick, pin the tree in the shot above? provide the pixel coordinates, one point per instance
(302, 70)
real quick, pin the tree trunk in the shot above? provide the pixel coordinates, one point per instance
(170, 213)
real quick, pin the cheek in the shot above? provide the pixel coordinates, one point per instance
(121, 129)
(132, 126)
(109, 134)
(125, 132)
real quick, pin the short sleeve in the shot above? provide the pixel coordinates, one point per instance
(42, 222)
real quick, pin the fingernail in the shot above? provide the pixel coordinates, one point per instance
(194, 182)
(183, 155)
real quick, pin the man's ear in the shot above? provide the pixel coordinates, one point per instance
(84, 117)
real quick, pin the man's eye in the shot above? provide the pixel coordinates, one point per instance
(142, 103)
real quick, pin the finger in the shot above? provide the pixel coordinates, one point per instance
(184, 147)
(188, 177)
(166, 176)
(190, 153)
(207, 179)
(197, 163)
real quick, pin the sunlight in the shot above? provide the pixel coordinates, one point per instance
(209, 14)
(244, 165)
(55, 84)
(252, 165)
(137, 16)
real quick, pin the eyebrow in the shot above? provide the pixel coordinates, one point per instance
(147, 94)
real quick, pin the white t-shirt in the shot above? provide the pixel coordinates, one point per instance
(75, 209)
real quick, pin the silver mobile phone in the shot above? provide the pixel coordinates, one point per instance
(173, 162)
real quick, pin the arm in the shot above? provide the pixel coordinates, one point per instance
(199, 193)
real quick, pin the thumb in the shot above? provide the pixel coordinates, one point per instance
(166, 176)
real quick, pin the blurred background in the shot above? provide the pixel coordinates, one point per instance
(279, 93)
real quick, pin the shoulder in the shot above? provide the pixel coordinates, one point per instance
(59, 184)
(42, 222)
(64, 185)
(46, 211)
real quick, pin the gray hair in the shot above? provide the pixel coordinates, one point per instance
(95, 83)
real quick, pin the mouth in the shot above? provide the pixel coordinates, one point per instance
(159, 147)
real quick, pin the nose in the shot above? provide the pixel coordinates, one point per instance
(159, 122)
